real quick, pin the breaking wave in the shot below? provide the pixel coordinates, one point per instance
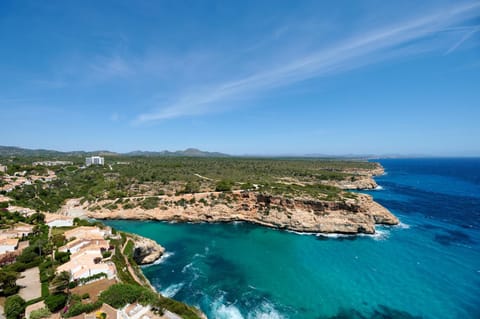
(225, 310)
(172, 290)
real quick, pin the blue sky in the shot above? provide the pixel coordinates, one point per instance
(242, 77)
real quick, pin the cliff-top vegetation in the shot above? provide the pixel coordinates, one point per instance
(126, 177)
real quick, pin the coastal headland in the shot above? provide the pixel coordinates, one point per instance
(291, 203)
(302, 195)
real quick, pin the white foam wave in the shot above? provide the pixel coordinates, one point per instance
(329, 235)
(380, 234)
(265, 311)
(402, 226)
(299, 233)
(378, 188)
(225, 311)
(172, 290)
(228, 312)
(186, 267)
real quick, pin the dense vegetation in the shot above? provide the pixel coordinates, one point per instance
(152, 176)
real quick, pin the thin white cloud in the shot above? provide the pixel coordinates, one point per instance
(363, 49)
(463, 39)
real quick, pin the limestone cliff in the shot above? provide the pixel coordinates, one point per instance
(146, 251)
(362, 178)
(357, 213)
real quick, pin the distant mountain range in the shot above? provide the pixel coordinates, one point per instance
(189, 152)
(18, 151)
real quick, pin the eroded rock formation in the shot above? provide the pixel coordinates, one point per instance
(146, 251)
(357, 213)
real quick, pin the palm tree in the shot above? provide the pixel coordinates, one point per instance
(60, 282)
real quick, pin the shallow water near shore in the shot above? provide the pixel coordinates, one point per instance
(429, 266)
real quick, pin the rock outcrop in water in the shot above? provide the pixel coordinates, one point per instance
(146, 251)
(357, 213)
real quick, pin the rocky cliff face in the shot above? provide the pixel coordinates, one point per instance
(358, 214)
(363, 178)
(146, 251)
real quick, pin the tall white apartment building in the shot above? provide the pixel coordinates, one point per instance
(94, 160)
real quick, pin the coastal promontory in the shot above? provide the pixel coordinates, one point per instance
(146, 251)
(303, 195)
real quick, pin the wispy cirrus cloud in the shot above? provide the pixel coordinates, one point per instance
(366, 48)
(469, 32)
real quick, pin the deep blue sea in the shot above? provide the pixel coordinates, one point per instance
(427, 267)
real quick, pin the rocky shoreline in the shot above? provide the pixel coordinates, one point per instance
(146, 251)
(355, 215)
(350, 213)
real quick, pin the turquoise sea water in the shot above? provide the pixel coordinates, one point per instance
(427, 267)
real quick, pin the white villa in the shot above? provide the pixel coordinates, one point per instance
(19, 230)
(82, 244)
(82, 265)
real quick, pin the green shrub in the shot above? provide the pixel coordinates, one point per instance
(119, 295)
(150, 203)
(128, 206)
(247, 186)
(224, 186)
(106, 254)
(45, 289)
(62, 257)
(191, 187)
(40, 313)
(56, 302)
(8, 285)
(14, 307)
(78, 308)
(181, 309)
(90, 278)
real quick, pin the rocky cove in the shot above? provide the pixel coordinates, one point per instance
(357, 213)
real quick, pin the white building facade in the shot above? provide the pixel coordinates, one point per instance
(8, 245)
(94, 160)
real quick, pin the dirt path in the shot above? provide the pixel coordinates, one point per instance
(129, 266)
(203, 177)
